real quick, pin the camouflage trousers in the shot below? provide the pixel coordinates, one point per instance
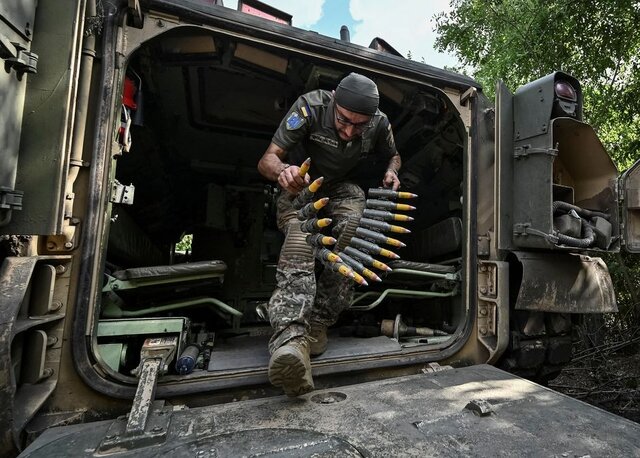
(299, 300)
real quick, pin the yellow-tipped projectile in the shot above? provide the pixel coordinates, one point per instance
(320, 241)
(395, 242)
(387, 205)
(327, 255)
(304, 168)
(398, 229)
(400, 217)
(326, 240)
(359, 279)
(314, 225)
(324, 222)
(389, 194)
(388, 254)
(406, 195)
(320, 203)
(346, 271)
(377, 237)
(370, 247)
(404, 207)
(381, 266)
(371, 275)
(384, 215)
(315, 184)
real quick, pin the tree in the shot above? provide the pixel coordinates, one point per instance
(597, 41)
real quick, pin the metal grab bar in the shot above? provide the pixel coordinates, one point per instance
(396, 292)
(448, 276)
(114, 311)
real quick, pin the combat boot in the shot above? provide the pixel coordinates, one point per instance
(318, 338)
(290, 367)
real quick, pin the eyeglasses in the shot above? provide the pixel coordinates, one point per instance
(357, 126)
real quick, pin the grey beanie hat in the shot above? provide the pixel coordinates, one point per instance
(358, 93)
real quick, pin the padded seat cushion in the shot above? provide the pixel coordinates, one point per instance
(176, 271)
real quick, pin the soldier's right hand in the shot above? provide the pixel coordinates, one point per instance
(291, 181)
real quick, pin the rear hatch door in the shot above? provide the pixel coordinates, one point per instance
(630, 198)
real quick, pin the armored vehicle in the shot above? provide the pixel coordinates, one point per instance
(140, 241)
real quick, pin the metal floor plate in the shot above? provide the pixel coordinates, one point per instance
(419, 415)
(250, 352)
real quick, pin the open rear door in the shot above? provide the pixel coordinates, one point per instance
(630, 199)
(38, 93)
(16, 29)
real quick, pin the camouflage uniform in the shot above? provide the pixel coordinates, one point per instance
(308, 130)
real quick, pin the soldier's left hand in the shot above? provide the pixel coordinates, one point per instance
(391, 180)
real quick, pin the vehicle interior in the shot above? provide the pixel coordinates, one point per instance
(194, 256)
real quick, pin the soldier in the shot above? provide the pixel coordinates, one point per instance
(345, 134)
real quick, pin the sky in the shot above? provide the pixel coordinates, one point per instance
(407, 25)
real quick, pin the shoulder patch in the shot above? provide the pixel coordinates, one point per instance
(295, 121)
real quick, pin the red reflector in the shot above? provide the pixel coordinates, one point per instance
(566, 91)
(129, 93)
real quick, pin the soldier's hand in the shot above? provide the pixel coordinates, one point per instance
(391, 180)
(291, 181)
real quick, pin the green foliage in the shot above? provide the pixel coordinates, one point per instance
(184, 244)
(596, 41)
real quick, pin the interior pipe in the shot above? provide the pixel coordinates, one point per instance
(114, 311)
(80, 124)
(449, 276)
(396, 293)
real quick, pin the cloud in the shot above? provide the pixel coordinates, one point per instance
(305, 12)
(406, 25)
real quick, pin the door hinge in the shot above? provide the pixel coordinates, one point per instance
(484, 248)
(17, 57)
(526, 150)
(10, 199)
(121, 194)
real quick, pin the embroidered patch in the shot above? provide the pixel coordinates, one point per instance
(294, 121)
(324, 140)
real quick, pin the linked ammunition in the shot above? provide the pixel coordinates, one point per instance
(372, 248)
(388, 205)
(314, 225)
(319, 240)
(306, 194)
(312, 208)
(382, 226)
(389, 194)
(347, 271)
(359, 267)
(385, 215)
(377, 237)
(366, 259)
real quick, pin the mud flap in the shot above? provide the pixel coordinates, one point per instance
(564, 283)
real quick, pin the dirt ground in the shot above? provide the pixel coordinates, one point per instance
(607, 377)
